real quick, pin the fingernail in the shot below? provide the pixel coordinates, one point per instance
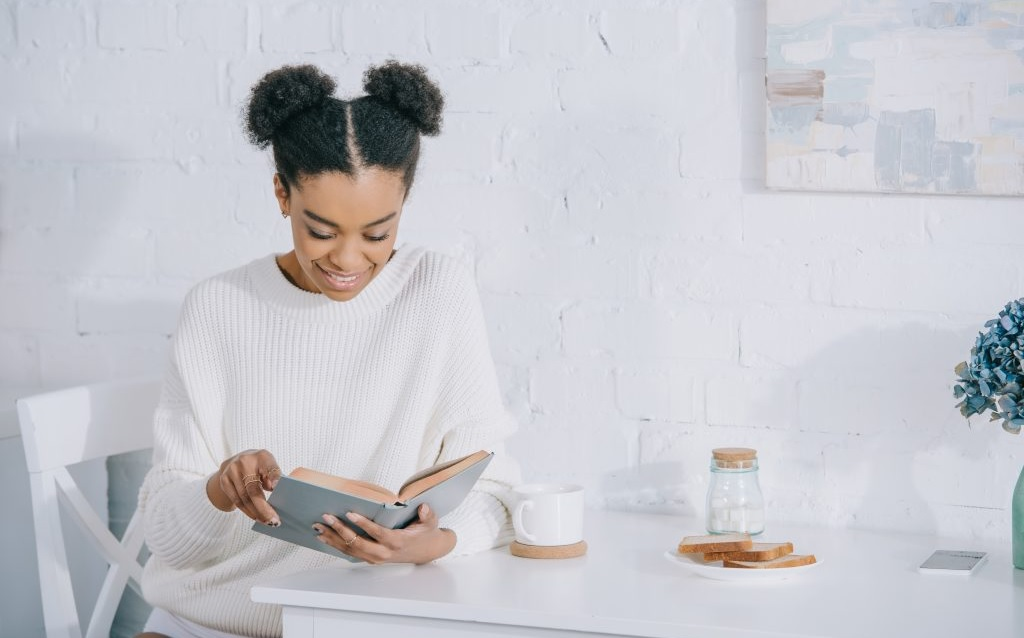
(274, 522)
(317, 529)
(330, 520)
(426, 509)
(352, 516)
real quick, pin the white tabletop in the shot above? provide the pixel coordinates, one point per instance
(867, 584)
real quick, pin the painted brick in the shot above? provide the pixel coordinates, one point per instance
(134, 25)
(934, 278)
(381, 30)
(301, 28)
(35, 196)
(622, 92)
(769, 399)
(464, 32)
(831, 219)
(726, 274)
(47, 135)
(219, 28)
(643, 329)
(102, 251)
(213, 137)
(551, 31)
(677, 211)
(37, 79)
(642, 31)
(469, 145)
(639, 157)
(572, 389)
(50, 26)
(169, 197)
(515, 390)
(20, 354)
(490, 89)
(522, 330)
(38, 304)
(655, 393)
(543, 450)
(184, 255)
(72, 360)
(146, 78)
(126, 310)
(949, 221)
(8, 40)
(550, 266)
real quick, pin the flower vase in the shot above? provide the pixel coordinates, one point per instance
(1017, 514)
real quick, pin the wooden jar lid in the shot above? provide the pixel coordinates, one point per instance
(734, 453)
(548, 551)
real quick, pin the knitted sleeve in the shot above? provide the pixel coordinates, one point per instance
(470, 417)
(182, 527)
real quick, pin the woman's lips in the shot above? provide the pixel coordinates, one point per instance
(339, 281)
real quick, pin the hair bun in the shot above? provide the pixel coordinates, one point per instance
(407, 89)
(281, 94)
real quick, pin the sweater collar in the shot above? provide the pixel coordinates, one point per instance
(277, 291)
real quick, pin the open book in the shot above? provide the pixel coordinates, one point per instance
(305, 495)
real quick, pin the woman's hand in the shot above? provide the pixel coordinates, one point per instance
(240, 483)
(419, 543)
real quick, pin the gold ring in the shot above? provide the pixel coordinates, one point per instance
(274, 469)
(353, 539)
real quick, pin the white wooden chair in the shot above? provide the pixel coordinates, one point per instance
(63, 428)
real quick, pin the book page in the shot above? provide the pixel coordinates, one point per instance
(362, 489)
(422, 481)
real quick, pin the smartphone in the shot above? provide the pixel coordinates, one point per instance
(953, 561)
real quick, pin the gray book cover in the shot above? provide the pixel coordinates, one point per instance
(300, 504)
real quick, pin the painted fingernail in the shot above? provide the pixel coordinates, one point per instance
(274, 522)
(318, 529)
(330, 520)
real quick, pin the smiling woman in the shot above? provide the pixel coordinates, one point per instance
(348, 354)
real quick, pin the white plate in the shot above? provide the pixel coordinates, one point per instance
(715, 570)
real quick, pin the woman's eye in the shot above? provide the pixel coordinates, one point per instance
(378, 237)
(316, 235)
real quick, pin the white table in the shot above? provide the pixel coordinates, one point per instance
(867, 585)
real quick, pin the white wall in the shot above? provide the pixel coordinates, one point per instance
(601, 170)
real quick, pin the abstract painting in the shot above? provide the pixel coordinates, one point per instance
(897, 96)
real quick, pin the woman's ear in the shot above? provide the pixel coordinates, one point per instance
(281, 192)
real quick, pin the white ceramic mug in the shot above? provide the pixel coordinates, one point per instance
(548, 514)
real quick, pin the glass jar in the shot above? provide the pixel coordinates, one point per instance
(735, 503)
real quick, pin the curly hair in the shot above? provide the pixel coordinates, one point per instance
(292, 109)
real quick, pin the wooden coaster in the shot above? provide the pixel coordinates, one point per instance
(549, 551)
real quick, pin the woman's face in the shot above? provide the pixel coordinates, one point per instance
(344, 229)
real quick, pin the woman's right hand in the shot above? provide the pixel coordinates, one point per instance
(240, 483)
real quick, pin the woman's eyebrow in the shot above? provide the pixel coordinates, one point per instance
(328, 222)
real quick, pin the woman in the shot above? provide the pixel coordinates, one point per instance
(344, 355)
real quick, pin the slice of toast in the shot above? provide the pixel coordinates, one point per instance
(759, 552)
(715, 543)
(793, 560)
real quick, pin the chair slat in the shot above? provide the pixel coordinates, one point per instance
(66, 428)
(79, 424)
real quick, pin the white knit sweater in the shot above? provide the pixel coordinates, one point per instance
(375, 388)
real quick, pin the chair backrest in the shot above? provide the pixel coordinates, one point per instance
(63, 428)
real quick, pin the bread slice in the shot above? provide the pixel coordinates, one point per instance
(759, 552)
(793, 560)
(715, 543)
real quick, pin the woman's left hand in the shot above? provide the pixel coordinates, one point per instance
(419, 543)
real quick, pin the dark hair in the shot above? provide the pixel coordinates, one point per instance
(312, 132)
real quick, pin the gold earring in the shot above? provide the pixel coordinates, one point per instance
(284, 214)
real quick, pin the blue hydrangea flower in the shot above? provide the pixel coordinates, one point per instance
(992, 379)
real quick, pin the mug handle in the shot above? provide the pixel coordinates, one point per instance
(517, 520)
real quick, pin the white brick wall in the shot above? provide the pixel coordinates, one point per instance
(600, 171)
